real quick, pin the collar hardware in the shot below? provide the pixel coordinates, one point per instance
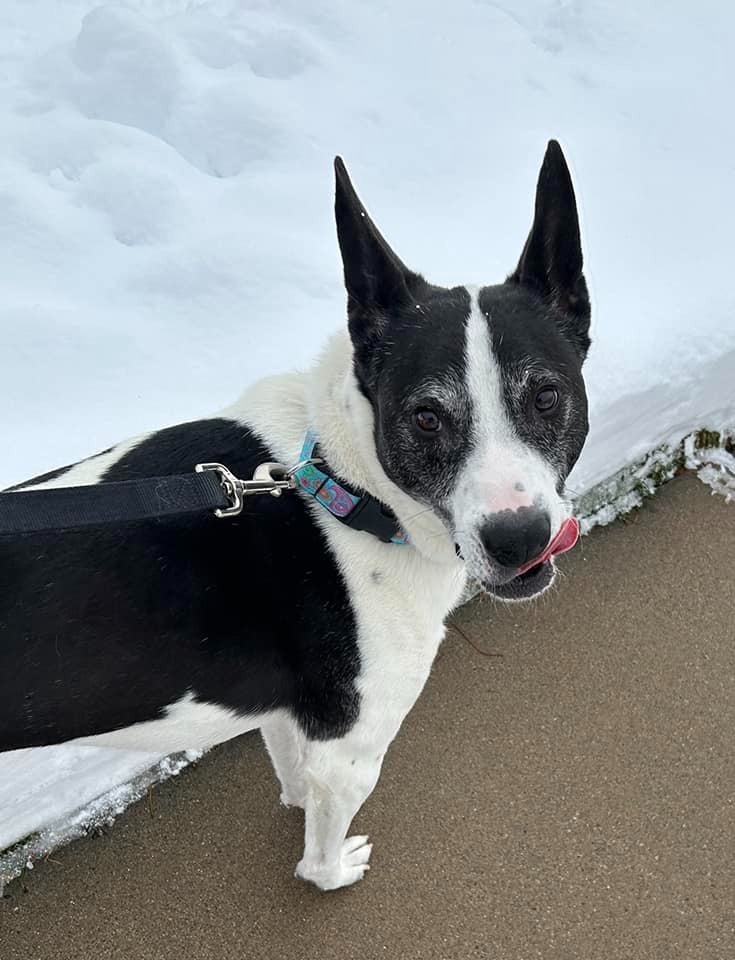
(353, 507)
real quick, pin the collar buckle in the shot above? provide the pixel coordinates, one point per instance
(354, 507)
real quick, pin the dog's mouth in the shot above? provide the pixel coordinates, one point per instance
(526, 585)
(537, 575)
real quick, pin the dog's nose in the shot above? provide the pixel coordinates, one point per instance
(514, 537)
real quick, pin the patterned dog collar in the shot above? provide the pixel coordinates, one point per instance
(355, 508)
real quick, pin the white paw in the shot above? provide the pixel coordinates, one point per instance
(351, 867)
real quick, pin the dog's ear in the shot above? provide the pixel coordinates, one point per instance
(375, 278)
(551, 262)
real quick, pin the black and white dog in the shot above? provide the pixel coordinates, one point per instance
(460, 411)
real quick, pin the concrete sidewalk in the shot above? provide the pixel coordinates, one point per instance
(567, 793)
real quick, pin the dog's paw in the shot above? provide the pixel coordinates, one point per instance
(351, 867)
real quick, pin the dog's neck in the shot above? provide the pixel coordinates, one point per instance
(344, 421)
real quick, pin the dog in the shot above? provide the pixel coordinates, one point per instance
(454, 415)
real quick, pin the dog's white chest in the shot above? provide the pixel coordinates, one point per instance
(401, 600)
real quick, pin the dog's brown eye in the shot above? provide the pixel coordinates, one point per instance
(427, 420)
(546, 399)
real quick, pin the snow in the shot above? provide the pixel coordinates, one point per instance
(715, 467)
(37, 785)
(166, 227)
(65, 820)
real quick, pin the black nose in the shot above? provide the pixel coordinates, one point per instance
(514, 537)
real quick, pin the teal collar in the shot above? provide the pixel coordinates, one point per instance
(355, 508)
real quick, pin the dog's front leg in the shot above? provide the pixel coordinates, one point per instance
(339, 776)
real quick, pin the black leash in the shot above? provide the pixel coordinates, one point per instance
(65, 508)
(211, 488)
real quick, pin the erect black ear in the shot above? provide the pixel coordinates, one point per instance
(375, 279)
(551, 262)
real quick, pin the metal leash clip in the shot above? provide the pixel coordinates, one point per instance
(236, 490)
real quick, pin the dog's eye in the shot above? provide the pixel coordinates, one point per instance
(547, 399)
(428, 421)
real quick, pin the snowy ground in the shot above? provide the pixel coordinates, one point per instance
(165, 213)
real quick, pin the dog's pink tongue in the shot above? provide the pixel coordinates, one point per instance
(563, 541)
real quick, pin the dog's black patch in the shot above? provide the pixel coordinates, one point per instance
(104, 627)
(539, 322)
(533, 352)
(420, 365)
(409, 340)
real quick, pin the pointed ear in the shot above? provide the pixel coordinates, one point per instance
(375, 279)
(551, 262)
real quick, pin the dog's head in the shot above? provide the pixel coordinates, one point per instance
(479, 404)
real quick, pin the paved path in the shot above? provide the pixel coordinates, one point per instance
(572, 795)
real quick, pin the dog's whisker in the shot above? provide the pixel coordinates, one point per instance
(419, 514)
